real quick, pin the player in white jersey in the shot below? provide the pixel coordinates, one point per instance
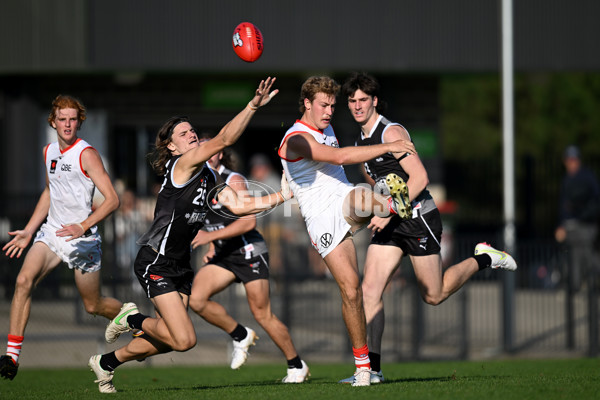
(332, 208)
(73, 170)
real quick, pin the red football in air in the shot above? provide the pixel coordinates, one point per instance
(247, 42)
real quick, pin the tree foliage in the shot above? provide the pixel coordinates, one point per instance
(552, 111)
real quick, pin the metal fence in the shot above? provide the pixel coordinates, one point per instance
(550, 318)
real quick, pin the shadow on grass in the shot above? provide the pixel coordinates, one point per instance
(445, 378)
(319, 381)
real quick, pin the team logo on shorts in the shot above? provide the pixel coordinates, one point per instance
(326, 240)
(156, 278)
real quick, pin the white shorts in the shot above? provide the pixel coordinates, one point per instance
(329, 228)
(83, 253)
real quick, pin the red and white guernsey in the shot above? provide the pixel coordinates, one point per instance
(315, 184)
(71, 189)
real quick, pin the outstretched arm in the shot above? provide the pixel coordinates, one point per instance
(22, 237)
(237, 227)
(253, 205)
(304, 145)
(231, 132)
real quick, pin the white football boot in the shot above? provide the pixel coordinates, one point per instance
(240, 349)
(104, 380)
(362, 377)
(500, 259)
(119, 324)
(297, 375)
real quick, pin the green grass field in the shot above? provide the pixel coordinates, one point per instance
(480, 380)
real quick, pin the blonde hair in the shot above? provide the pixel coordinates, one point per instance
(317, 84)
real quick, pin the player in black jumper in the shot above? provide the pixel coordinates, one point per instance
(163, 262)
(418, 236)
(238, 253)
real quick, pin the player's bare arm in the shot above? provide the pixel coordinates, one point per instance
(21, 238)
(417, 174)
(304, 145)
(210, 253)
(254, 205)
(236, 228)
(92, 164)
(229, 134)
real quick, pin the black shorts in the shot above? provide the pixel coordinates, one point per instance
(159, 274)
(419, 236)
(245, 270)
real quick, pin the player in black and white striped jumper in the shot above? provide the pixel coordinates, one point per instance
(238, 253)
(417, 236)
(162, 265)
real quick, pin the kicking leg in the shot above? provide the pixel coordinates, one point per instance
(361, 204)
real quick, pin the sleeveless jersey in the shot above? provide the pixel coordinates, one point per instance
(314, 183)
(219, 217)
(180, 212)
(71, 189)
(379, 167)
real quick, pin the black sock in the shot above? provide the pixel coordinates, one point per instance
(375, 361)
(483, 260)
(239, 333)
(295, 362)
(109, 362)
(135, 321)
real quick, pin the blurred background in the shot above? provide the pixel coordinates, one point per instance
(136, 63)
